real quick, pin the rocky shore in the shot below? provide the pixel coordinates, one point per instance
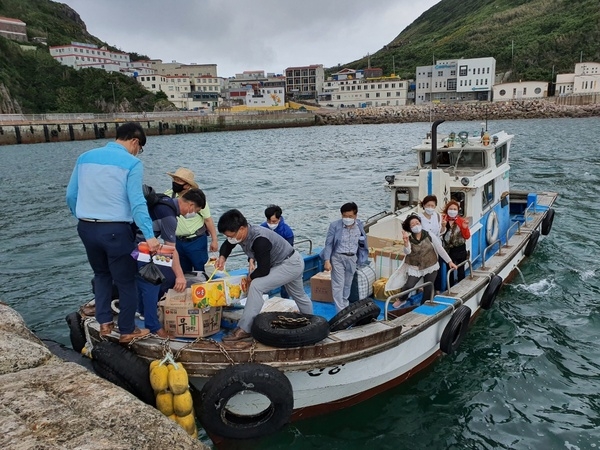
(48, 403)
(530, 109)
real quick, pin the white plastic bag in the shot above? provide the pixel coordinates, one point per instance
(397, 280)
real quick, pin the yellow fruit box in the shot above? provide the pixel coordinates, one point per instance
(220, 291)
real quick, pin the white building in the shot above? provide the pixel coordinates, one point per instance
(265, 97)
(455, 80)
(520, 90)
(585, 80)
(304, 82)
(349, 88)
(186, 92)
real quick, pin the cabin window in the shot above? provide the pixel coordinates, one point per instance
(487, 195)
(500, 154)
(472, 160)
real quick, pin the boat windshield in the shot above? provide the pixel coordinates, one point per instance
(465, 158)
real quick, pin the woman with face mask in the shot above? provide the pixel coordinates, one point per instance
(455, 231)
(421, 249)
(430, 218)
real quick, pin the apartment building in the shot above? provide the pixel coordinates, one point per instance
(304, 82)
(351, 88)
(455, 80)
(175, 68)
(80, 55)
(185, 92)
(14, 29)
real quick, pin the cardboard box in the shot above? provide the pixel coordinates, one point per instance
(220, 291)
(377, 242)
(181, 318)
(320, 287)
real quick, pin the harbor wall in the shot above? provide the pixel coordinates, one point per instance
(525, 109)
(24, 130)
(48, 403)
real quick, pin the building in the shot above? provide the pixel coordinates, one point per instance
(82, 56)
(175, 68)
(14, 29)
(305, 82)
(350, 88)
(455, 80)
(585, 80)
(520, 90)
(185, 92)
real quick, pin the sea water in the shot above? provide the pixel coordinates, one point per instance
(526, 377)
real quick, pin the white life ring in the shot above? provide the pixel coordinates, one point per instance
(492, 228)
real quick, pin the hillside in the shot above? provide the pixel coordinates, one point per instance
(32, 82)
(527, 37)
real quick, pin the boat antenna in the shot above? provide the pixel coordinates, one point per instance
(434, 143)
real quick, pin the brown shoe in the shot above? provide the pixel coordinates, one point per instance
(237, 335)
(137, 333)
(162, 333)
(106, 328)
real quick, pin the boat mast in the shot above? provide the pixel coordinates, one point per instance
(434, 143)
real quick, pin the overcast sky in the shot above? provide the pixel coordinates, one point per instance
(240, 35)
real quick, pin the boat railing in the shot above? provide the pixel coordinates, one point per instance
(518, 225)
(464, 263)
(372, 220)
(489, 247)
(304, 241)
(395, 296)
(526, 214)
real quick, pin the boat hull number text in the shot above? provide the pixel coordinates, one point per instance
(326, 370)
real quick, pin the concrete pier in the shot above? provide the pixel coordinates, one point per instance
(24, 130)
(47, 403)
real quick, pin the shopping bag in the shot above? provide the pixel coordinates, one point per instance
(397, 280)
(152, 274)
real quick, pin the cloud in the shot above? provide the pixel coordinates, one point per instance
(240, 35)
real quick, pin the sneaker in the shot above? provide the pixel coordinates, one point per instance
(237, 335)
(399, 304)
(136, 333)
(106, 328)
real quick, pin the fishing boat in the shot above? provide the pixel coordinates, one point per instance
(249, 389)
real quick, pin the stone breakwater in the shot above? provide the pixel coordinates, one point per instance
(455, 112)
(48, 403)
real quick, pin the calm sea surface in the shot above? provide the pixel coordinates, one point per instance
(526, 377)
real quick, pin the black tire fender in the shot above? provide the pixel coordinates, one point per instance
(547, 222)
(533, 240)
(490, 293)
(263, 330)
(76, 331)
(211, 404)
(364, 313)
(124, 368)
(456, 330)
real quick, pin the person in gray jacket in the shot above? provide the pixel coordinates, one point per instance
(273, 262)
(345, 249)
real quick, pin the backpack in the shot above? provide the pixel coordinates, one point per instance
(153, 198)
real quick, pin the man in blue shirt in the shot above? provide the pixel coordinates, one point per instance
(275, 222)
(345, 248)
(105, 194)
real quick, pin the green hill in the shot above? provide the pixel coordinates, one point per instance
(527, 37)
(32, 82)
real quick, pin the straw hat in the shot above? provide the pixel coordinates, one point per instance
(186, 175)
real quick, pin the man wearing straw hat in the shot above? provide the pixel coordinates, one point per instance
(192, 229)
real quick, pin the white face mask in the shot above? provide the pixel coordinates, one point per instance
(452, 213)
(416, 229)
(272, 226)
(190, 215)
(348, 221)
(233, 240)
(430, 211)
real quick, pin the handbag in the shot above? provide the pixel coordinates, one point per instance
(152, 274)
(397, 280)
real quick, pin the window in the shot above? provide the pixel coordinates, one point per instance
(487, 195)
(524, 91)
(462, 71)
(452, 84)
(377, 95)
(367, 95)
(500, 154)
(440, 73)
(389, 94)
(452, 73)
